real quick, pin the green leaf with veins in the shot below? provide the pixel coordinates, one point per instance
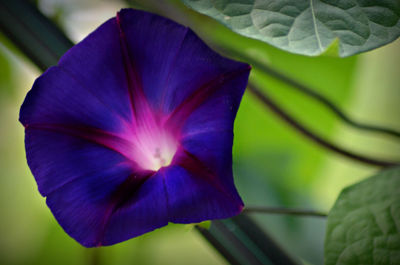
(309, 27)
(364, 224)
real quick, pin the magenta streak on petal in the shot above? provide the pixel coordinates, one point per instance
(119, 197)
(154, 144)
(162, 171)
(181, 113)
(103, 138)
(139, 104)
(149, 147)
(193, 165)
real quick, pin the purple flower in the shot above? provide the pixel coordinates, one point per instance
(133, 129)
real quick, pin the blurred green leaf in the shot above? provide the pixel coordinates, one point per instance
(364, 224)
(309, 27)
(205, 224)
(6, 75)
(333, 49)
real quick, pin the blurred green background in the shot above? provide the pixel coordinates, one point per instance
(273, 165)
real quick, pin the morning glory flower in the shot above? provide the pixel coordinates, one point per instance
(134, 129)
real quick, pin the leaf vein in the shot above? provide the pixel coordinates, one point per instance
(315, 26)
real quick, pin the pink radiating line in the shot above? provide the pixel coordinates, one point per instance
(198, 169)
(177, 118)
(154, 145)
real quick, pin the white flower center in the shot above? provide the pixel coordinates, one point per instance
(154, 147)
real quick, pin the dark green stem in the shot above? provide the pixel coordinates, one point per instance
(311, 93)
(94, 255)
(274, 107)
(286, 211)
(217, 244)
(35, 35)
(241, 241)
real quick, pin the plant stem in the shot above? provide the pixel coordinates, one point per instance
(210, 237)
(94, 256)
(328, 103)
(268, 102)
(241, 241)
(35, 35)
(311, 93)
(278, 210)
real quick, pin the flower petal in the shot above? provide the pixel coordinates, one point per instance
(207, 133)
(139, 85)
(56, 159)
(171, 60)
(144, 211)
(152, 44)
(78, 178)
(99, 210)
(94, 192)
(103, 76)
(57, 97)
(195, 195)
(83, 206)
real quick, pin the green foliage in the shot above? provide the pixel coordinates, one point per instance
(309, 27)
(5, 76)
(364, 224)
